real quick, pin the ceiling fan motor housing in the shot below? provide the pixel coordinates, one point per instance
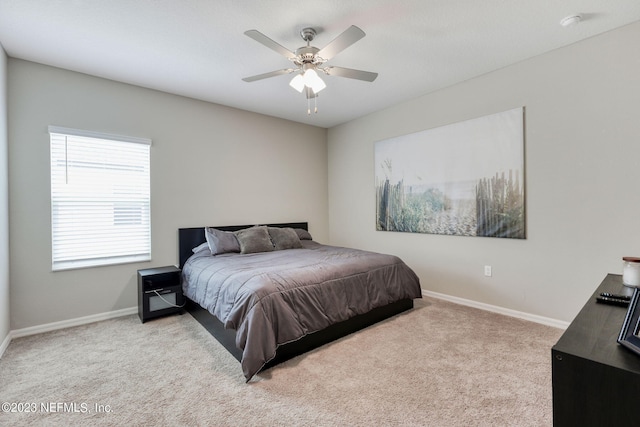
(308, 34)
(307, 55)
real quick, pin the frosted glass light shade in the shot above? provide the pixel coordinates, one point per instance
(318, 85)
(297, 83)
(312, 80)
(309, 79)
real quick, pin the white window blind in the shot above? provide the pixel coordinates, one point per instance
(100, 199)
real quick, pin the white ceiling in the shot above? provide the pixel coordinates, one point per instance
(197, 48)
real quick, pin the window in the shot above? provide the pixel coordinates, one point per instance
(100, 199)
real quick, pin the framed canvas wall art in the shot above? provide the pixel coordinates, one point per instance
(463, 179)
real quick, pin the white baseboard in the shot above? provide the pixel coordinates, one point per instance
(32, 330)
(500, 310)
(5, 344)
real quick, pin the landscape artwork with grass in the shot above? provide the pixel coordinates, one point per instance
(464, 179)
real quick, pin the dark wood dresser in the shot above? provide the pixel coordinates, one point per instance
(596, 381)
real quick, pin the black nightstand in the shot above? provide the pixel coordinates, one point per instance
(159, 292)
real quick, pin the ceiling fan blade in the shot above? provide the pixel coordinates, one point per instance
(267, 75)
(261, 38)
(350, 73)
(340, 43)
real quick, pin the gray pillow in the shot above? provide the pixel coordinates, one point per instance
(200, 248)
(254, 239)
(221, 242)
(302, 234)
(284, 238)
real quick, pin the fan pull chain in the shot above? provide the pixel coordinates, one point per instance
(308, 107)
(315, 104)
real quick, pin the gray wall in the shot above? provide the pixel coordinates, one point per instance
(4, 203)
(582, 167)
(210, 165)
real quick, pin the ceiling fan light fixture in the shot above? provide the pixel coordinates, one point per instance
(308, 79)
(312, 80)
(318, 86)
(297, 83)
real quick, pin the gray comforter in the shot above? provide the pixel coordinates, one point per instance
(273, 298)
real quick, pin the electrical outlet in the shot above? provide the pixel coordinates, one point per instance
(487, 270)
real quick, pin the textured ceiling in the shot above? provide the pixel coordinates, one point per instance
(197, 48)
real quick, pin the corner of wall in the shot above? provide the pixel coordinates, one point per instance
(5, 319)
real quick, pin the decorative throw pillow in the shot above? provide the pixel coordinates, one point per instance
(200, 248)
(254, 239)
(302, 234)
(221, 242)
(284, 238)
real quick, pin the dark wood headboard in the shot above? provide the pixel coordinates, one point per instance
(189, 238)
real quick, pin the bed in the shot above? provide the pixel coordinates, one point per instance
(268, 305)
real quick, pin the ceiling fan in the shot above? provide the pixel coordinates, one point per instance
(308, 60)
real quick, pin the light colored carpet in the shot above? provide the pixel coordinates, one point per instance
(440, 364)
